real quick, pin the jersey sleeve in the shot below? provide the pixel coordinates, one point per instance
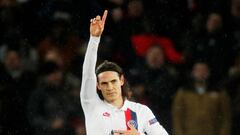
(88, 94)
(151, 125)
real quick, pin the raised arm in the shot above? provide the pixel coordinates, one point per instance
(88, 88)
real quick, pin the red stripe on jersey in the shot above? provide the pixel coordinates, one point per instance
(128, 117)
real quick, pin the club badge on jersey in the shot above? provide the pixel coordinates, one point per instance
(133, 123)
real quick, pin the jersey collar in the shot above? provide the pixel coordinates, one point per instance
(123, 108)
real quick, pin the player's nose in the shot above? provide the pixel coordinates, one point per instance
(109, 86)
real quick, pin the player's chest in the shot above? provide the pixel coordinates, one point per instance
(112, 119)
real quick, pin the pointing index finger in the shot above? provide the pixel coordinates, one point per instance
(104, 16)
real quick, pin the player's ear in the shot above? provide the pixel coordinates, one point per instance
(98, 86)
(122, 80)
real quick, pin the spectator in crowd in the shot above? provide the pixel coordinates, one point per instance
(233, 87)
(156, 80)
(75, 116)
(15, 40)
(142, 42)
(47, 108)
(61, 40)
(198, 107)
(211, 45)
(15, 85)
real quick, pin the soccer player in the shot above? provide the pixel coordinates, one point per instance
(110, 113)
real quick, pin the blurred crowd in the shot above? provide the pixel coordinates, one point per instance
(181, 58)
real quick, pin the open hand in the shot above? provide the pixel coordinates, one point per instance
(97, 24)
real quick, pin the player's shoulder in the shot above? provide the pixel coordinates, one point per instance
(137, 106)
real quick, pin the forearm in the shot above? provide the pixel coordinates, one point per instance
(91, 57)
(88, 87)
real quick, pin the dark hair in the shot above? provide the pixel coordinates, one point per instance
(111, 66)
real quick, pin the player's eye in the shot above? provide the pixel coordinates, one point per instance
(114, 81)
(103, 83)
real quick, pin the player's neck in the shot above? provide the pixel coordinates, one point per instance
(117, 103)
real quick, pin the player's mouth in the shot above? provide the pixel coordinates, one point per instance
(111, 94)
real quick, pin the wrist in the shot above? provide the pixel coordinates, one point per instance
(92, 35)
(95, 38)
(95, 34)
